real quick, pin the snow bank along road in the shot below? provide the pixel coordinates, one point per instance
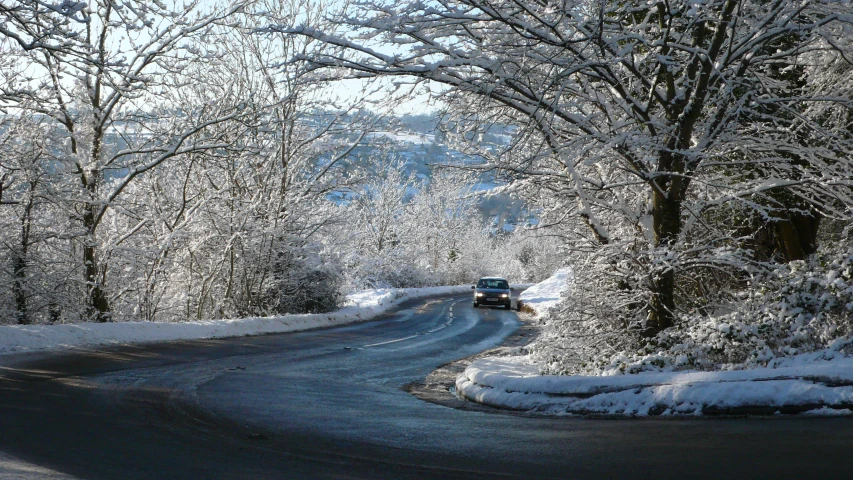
(808, 387)
(330, 404)
(359, 306)
(815, 383)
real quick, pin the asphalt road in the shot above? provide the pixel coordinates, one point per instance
(331, 404)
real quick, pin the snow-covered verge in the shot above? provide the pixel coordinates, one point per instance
(776, 312)
(539, 298)
(13, 468)
(817, 382)
(811, 384)
(360, 306)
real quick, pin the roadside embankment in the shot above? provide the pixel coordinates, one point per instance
(819, 383)
(360, 306)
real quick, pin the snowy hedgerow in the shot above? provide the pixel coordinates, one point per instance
(602, 318)
(795, 308)
(305, 286)
(790, 309)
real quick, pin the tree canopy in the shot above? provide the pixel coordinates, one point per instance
(651, 122)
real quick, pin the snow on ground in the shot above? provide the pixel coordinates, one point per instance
(511, 383)
(544, 295)
(360, 306)
(818, 383)
(12, 468)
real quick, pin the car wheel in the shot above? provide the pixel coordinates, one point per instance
(476, 305)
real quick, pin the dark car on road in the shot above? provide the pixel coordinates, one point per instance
(492, 291)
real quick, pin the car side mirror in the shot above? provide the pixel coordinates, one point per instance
(473, 287)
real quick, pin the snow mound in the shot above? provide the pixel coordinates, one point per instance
(546, 294)
(823, 387)
(360, 306)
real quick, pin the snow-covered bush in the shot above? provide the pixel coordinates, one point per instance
(601, 318)
(306, 286)
(794, 308)
(787, 309)
(400, 231)
(364, 272)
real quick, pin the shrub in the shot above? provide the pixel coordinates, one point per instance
(785, 310)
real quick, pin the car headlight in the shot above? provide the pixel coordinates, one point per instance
(504, 295)
(480, 294)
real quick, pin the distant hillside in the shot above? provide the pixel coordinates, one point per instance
(420, 146)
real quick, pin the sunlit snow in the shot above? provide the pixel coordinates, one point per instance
(361, 306)
(810, 383)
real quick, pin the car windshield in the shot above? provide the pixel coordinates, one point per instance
(492, 283)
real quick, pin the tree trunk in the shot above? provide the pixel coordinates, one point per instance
(666, 218)
(20, 262)
(796, 234)
(98, 305)
(807, 227)
(789, 240)
(20, 273)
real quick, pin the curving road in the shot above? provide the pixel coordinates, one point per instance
(331, 404)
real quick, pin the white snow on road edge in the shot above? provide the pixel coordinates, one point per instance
(513, 383)
(360, 306)
(544, 295)
(811, 383)
(13, 468)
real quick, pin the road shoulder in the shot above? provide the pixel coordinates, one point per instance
(439, 387)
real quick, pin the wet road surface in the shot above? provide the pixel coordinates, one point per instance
(331, 404)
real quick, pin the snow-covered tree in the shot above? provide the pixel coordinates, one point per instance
(102, 72)
(237, 231)
(400, 230)
(166, 161)
(641, 120)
